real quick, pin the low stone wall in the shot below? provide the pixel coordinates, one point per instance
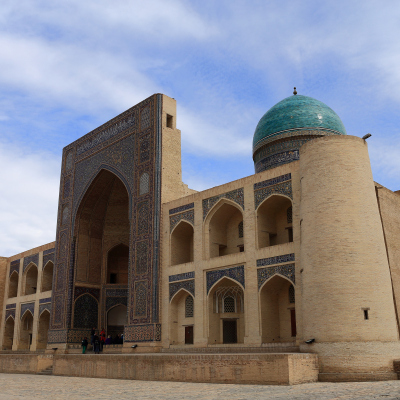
(267, 369)
(24, 363)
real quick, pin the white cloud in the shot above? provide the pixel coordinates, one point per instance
(29, 198)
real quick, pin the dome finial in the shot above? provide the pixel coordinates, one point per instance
(295, 91)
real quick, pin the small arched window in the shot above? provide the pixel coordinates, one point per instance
(291, 294)
(189, 307)
(144, 183)
(229, 305)
(240, 228)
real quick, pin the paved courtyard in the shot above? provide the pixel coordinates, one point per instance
(19, 386)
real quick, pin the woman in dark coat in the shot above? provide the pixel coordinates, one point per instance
(96, 345)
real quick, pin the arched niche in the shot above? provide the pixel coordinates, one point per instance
(43, 329)
(25, 333)
(273, 225)
(101, 221)
(31, 279)
(277, 308)
(182, 243)
(181, 318)
(8, 338)
(47, 276)
(13, 285)
(86, 312)
(116, 320)
(226, 313)
(117, 264)
(222, 224)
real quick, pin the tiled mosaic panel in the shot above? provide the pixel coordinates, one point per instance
(289, 213)
(86, 312)
(143, 333)
(27, 306)
(44, 301)
(186, 216)
(273, 181)
(14, 266)
(240, 229)
(117, 292)
(11, 306)
(67, 187)
(175, 286)
(143, 218)
(57, 336)
(106, 134)
(181, 208)
(287, 270)
(114, 301)
(276, 160)
(144, 183)
(144, 148)
(275, 260)
(82, 290)
(48, 256)
(34, 258)
(58, 307)
(142, 257)
(77, 335)
(235, 273)
(10, 313)
(145, 120)
(284, 188)
(181, 277)
(285, 145)
(65, 215)
(235, 195)
(141, 301)
(69, 159)
(43, 307)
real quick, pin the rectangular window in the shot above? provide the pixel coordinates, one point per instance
(366, 316)
(170, 120)
(290, 233)
(113, 278)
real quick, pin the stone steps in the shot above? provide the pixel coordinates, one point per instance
(47, 371)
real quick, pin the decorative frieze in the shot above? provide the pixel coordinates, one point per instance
(181, 277)
(235, 195)
(287, 270)
(275, 260)
(181, 208)
(235, 273)
(174, 287)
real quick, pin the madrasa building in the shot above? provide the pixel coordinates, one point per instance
(303, 257)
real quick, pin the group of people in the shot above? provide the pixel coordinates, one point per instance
(98, 341)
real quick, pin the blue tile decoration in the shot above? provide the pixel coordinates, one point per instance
(10, 313)
(65, 214)
(143, 333)
(114, 301)
(69, 159)
(275, 260)
(235, 195)
(67, 187)
(145, 144)
(86, 310)
(240, 229)
(181, 277)
(284, 188)
(57, 336)
(34, 258)
(11, 306)
(144, 183)
(141, 293)
(285, 127)
(287, 270)
(235, 273)
(142, 257)
(181, 208)
(145, 120)
(43, 307)
(289, 215)
(14, 266)
(48, 256)
(79, 290)
(49, 251)
(186, 216)
(44, 301)
(176, 286)
(116, 292)
(27, 306)
(273, 181)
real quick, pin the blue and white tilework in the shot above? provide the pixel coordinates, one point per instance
(175, 286)
(27, 306)
(284, 188)
(181, 277)
(287, 270)
(235, 195)
(181, 208)
(186, 216)
(34, 258)
(14, 266)
(275, 260)
(235, 273)
(273, 181)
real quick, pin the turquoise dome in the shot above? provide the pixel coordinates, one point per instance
(286, 126)
(297, 112)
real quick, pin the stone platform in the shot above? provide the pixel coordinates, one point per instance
(254, 368)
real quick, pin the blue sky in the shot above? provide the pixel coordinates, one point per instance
(67, 67)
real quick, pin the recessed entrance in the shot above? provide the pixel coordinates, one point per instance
(229, 331)
(188, 334)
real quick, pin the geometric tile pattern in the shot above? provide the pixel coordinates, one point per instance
(11, 306)
(284, 188)
(235, 273)
(235, 195)
(48, 255)
(113, 301)
(44, 301)
(43, 307)
(143, 333)
(27, 306)
(287, 270)
(275, 260)
(181, 277)
(175, 286)
(181, 208)
(14, 266)
(289, 213)
(34, 258)
(277, 159)
(10, 313)
(273, 181)
(81, 290)
(187, 216)
(86, 312)
(57, 336)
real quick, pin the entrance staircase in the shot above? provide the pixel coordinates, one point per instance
(47, 371)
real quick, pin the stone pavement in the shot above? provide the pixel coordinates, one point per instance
(20, 386)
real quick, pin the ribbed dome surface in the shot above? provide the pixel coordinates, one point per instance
(294, 113)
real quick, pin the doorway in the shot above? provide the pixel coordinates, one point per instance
(188, 334)
(229, 331)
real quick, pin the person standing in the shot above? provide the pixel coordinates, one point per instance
(92, 333)
(84, 345)
(96, 345)
(102, 338)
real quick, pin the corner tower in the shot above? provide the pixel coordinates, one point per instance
(289, 124)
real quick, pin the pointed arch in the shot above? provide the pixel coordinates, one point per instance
(86, 310)
(234, 281)
(30, 279)
(8, 337)
(178, 293)
(182, 244)
(117, 264)
(43, 329)
(273, 227)
(26, 330)
(220, 229)
(117, 318)
(47, 276)
(274, 275)
(13, 285)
